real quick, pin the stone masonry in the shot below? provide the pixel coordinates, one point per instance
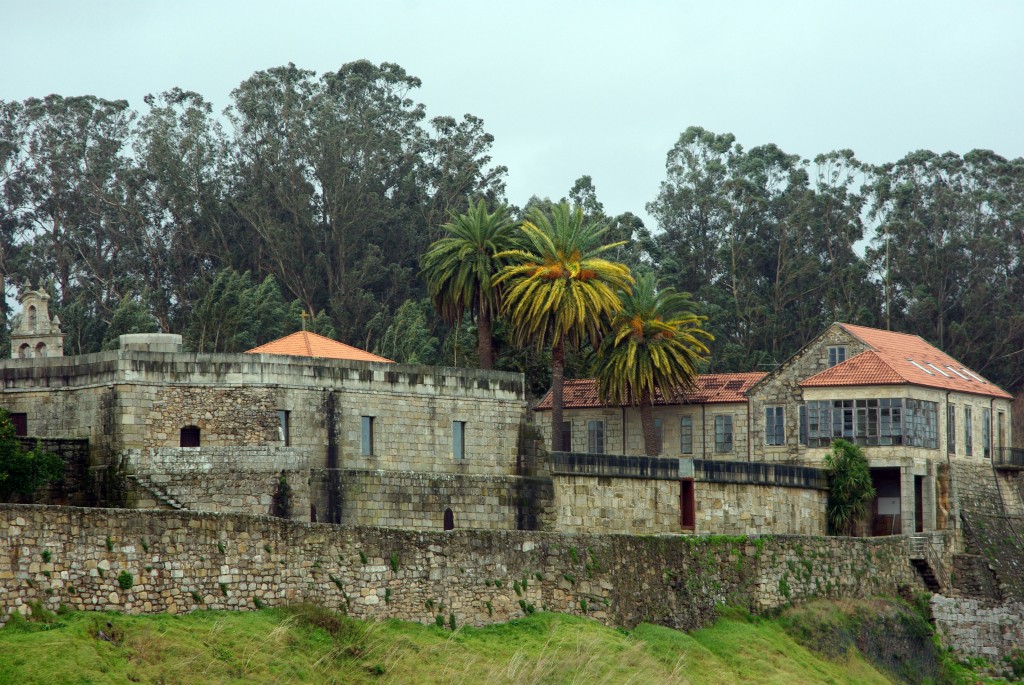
(176, 561)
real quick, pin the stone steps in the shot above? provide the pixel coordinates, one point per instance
(156, 491)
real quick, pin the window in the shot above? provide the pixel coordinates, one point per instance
(951, 428)
(723, 433)
(687, 510)
(567, 436)
(774, 426)
(366, 436)
(595, 437)
(1001, 431)
(282, 427)
(449, 519)
(968, 433)
(659, 435)
(190, 436)
(686, 435)
(459, 439)
(873, 422)
(20, 422)
(986, 433)
(803, 424)
(836, 355)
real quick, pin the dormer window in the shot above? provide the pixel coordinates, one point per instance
(836, 355)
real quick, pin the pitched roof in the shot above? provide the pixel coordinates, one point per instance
(306, 344)
(711, 388)
(898, 358)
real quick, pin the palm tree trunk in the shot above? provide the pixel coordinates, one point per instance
(647, 423)
(483, 336)
(557, 381)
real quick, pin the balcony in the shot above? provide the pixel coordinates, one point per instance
(1009, 458)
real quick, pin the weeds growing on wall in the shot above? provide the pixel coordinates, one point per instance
(281, 505)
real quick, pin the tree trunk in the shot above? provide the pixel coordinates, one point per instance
(557, 379)
(485, 348)
(647, 423)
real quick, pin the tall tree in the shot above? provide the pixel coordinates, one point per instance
(460, 270)
(654, 346)
(560, 290)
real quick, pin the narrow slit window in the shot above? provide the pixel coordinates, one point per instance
(686, 435)
(283, 429)
(459, 439)
(366, 436)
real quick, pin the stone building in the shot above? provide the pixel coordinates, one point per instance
(356, 439)
(914, 409)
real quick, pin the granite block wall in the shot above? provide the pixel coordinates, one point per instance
(175, 561)
(640, 507)
(979, 628)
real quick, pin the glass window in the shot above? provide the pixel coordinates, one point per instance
(723, 433)
(366, 435)
(774, 426)
(986, 433)
(282, 427)
(1001, 431)
(836, 355)
(803, 424)
(595, 437)
(459, 439)
(873, 422)
(686, 435)
(968, 433)
(951, 428)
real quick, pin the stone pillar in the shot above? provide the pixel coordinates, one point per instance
(907, 501)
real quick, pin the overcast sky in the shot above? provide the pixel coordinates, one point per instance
(573, 88)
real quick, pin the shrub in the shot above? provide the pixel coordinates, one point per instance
(23, 472)
(125, 580)
(850, 487)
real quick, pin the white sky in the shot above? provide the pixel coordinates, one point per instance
(572, 88)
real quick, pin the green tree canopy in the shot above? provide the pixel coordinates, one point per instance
(850, 487)
(654, 346)
(560, 290)
(460, 269)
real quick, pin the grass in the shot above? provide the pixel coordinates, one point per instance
(308, 644)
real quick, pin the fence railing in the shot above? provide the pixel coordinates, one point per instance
(1008, 457)
(663, 468)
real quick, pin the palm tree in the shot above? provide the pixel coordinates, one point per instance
(460, 270)
(654, 346)
(559, 291)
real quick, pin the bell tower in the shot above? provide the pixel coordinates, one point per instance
(37, 335)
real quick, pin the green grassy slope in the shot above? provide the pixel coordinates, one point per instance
(312, 645)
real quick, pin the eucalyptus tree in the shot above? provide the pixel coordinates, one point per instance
(559, 290)
(653, 348)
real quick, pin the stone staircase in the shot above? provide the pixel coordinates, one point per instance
(156, 492)
(928, 563)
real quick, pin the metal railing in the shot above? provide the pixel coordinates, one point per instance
(923, 546)
(663, 468)
(1008, 457)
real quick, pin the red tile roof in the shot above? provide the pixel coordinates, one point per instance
(711, 388)
(306, 344)
(898, 358)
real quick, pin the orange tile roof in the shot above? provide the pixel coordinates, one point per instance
(711, 388)
(306, 344)
(898, 358)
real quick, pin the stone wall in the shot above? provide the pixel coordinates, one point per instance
(173, 561)
(989, 531)
(75, 487)
(975, 628)
(640, 506)
(408, 499)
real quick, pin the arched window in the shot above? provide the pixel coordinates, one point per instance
(24, 351)
(190, 436)
(449, 519)
(41, 349)
(31, 317)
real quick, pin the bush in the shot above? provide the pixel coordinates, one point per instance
(850, 487)
(23, 472)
